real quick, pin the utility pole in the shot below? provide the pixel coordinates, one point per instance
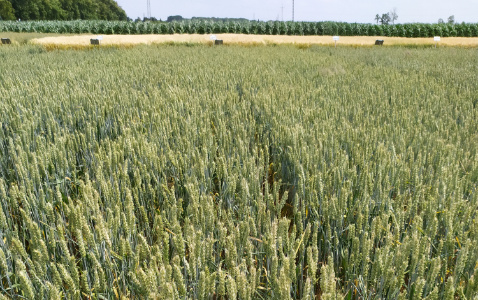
(293, 6)
(149, 9)
(282, 7)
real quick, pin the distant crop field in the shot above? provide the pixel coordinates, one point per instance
(244, 27)
(250, 39)
(280, 172)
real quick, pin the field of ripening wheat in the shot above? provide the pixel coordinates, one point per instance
(269, 172)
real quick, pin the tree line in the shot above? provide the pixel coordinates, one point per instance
(61, 10)
(179, 18)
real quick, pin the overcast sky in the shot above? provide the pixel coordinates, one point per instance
(425, 11)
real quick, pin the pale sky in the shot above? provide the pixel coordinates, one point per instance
(423, 11)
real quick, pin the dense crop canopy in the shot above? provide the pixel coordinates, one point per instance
(245, 27)
(263, 172)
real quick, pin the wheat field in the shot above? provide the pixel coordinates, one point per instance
(84, 40)
(184, 171)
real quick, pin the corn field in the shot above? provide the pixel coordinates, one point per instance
(266, 172)
(246, 27)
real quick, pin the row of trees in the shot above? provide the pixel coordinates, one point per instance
(392, 16)
(451, 20)
(387, 18)
(179, 18)
(61, 10)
